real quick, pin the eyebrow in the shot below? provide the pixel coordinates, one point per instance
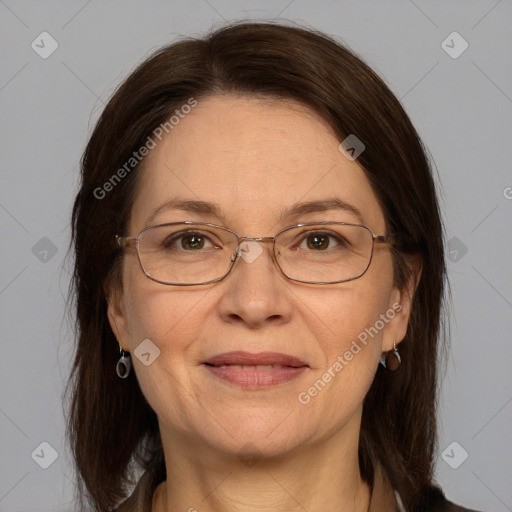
(205, 208)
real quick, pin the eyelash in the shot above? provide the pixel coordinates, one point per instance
(176, 237)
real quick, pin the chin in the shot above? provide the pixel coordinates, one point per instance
(256, 437)
(251, 448)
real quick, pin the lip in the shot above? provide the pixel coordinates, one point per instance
(227, 367)
(247, 359)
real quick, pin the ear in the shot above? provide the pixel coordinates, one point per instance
(116, 315)
(401, 303)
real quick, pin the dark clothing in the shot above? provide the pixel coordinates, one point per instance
(435, 501)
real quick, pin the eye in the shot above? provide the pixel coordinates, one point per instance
(188, 241)
(320, 241)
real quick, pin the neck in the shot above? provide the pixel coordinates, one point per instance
(315, 478)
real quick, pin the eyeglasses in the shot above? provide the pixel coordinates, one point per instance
(192, 253)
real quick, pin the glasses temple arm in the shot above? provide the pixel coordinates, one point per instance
(386, 239)
(124, 242)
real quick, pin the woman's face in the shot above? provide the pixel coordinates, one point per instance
(255, 159)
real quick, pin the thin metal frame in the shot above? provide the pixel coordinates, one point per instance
(133, 243)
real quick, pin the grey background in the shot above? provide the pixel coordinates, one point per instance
(461, 107)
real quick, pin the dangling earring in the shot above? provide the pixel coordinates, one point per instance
(391, 360)
(124, 364)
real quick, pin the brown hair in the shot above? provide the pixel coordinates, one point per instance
(111, 426)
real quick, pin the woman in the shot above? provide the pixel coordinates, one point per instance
(259, 282)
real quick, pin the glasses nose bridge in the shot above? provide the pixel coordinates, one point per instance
(256, 239)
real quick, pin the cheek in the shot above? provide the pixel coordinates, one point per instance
(165, 322)
(172, 319)
(347, 314)
(348, 324)
(159, 312)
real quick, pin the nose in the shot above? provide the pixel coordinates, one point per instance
(255, 291)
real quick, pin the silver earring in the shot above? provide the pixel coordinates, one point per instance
(391, 360)
(124, 364)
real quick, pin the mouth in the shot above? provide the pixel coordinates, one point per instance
(255, 371)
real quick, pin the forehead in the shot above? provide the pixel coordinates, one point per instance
(254, 159)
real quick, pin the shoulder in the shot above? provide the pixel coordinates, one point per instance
(434, 500)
